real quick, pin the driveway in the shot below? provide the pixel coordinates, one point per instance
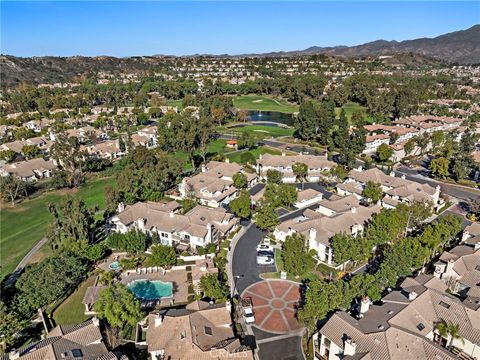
(244, 259)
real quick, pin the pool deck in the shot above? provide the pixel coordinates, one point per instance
(177, 277)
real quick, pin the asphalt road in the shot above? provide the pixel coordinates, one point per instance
(244, 260)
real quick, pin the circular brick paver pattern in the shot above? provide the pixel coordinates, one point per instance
(275, 305)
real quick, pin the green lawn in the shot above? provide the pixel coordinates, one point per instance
(350, 108)
(261, 131)
(71, 311)
(177, 103)
(23, 225)
(217, 146)
(263, 103)
(235, 157)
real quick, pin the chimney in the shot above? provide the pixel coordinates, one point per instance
(283, 153)
(349, 347)
(228, 306)
(364, 305)
(353, 210)
(448, 270)
(392, 174)
(172, 214)
(312, 234)
(404, 176)
(121, 207)
(14, 354)
(95, 321)
(227, 160)
(412, 295)
(141, 224)
(465, 235)
(260, 157)
(158, 320)
(204, 169)
(477, 245)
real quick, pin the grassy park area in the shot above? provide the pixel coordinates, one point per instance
(71, 311)
(24, 224)
(263, 103)
(261, 131)
(350, 108)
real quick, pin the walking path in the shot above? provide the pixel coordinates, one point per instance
(26, 259)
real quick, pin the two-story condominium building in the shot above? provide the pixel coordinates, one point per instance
(396, 189)
(343, 215)
(459, 268)
(317, 166)
(205, 332)
(403, 326)
(29, 170)
(198, 227)
(109, 149)
(213, 186)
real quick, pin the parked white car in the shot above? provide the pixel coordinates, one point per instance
(265, 260)
(248, 314)
(265, 247)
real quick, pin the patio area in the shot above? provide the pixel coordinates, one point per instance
(177, 276)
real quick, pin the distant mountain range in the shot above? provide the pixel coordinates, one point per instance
(461, 47)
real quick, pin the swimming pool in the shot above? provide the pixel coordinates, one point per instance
(114, 265)
(151, 290)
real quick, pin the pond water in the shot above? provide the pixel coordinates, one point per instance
(271, 118)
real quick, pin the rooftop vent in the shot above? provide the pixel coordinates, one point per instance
(445, 305)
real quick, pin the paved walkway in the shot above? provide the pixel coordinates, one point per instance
(275, 305)
(26, 259)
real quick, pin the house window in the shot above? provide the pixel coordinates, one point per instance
(186, 237)
(164, 234)
(208, 330)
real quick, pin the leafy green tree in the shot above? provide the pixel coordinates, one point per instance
(321, 298)
(30, 151)
(345, 247)
(439, 167)
(72, 226)
(52, 279)
(306, 120)
(240, 180)
(461, 168)
(121, 144)
(95, 252)
(133, 242)
(13, 188)
(339, 172)
(246, 140)
(247, 158)
(10, 323)
(162, 255)
(212, 288)
(7, 155)
(242, 205)
(274, 176)
(66, 151)
(384, 152)
(295, 255)
(118, 306)
(409, 146)
(300, 170)
(372, 191)
(266, 217)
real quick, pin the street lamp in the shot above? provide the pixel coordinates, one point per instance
(235, 279)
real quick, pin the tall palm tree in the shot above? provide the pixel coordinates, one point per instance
(445, 330)
(453, 330)
(300, 170)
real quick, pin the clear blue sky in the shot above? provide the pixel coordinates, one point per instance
(181, 28)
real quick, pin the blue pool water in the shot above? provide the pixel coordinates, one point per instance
(151, 290)
(114, 265)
